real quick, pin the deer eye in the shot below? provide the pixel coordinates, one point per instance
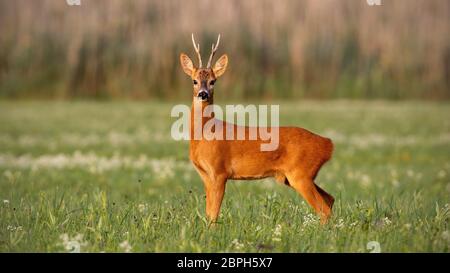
(195, 82)
(212, 82)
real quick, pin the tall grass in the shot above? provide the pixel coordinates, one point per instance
(277, 49)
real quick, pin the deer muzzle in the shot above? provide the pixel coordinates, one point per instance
(203, 95)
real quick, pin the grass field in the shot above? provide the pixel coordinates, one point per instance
(108, 177)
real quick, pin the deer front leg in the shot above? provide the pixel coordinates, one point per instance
(215, 190)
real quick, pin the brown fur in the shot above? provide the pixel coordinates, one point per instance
(296, 162)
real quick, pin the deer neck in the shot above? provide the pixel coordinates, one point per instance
(198, 120)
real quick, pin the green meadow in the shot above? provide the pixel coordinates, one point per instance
(108, 177)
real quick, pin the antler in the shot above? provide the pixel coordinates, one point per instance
(197, 49)
(213, 51)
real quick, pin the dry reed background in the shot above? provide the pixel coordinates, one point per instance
(277, 49)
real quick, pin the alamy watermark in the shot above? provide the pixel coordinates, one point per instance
(209, 123)
(374, 247)
(373, 2)
(73, 2)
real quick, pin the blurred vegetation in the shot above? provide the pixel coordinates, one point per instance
(277, 49)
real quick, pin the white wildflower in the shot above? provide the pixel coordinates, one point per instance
(365, 181)
(14, 228)
(163, 168)
(142, 208)
(395, 183)
(394, 173)
(387, 221)
(350, 175)
(73, 244)
(310, 219)
(6, 202)
(8, 174)
(125, 245)
(410, 173)
(340, 223)
(446, 235)
(277, 233)
(236, 244)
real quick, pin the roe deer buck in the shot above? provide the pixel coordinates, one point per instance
(296, 161)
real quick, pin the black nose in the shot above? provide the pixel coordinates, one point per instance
(203, 95)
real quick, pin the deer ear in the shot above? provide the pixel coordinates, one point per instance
(220, 66)
(186, 64)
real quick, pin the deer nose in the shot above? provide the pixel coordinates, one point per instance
(203, 94)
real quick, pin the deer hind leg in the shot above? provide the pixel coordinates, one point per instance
(315, 196)
(328, 197)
